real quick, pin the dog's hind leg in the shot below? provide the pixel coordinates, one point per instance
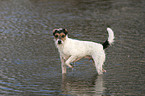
(95, 66)
(99, 60)
(70, 60)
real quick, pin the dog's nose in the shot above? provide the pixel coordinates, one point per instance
(59, 42)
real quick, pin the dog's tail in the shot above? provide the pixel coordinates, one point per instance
(110, 39)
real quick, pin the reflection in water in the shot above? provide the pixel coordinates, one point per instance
(93, 86)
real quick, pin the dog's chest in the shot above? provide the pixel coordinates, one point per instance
(64, 50)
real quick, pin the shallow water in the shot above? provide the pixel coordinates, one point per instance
(29, 61)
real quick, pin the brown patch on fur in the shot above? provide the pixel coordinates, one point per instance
(62, 36)
(56, 35)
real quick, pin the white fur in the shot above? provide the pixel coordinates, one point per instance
(111, 35)
(71, 50)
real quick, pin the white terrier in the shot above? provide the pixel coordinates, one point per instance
(72, 50)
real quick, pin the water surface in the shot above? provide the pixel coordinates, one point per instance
(29, 61)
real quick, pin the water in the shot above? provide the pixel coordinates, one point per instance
(29, 61)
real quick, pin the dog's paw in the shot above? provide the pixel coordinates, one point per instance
(104, 71)
(70, 66)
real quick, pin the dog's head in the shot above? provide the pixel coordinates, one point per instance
(60, 35)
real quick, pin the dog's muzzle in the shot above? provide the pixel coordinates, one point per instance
(59, 42)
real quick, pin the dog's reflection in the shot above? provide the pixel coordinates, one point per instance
(77, 87)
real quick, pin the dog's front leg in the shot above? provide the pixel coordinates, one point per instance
(63, 66)
(69, 60)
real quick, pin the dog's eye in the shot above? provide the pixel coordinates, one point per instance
(56, 36)
(63, 36)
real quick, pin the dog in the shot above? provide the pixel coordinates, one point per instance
(72, 50)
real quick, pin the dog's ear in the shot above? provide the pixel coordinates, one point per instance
(65, 31)
(54, 31)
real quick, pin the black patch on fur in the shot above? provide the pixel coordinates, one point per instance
(60, 31)
(105, 44)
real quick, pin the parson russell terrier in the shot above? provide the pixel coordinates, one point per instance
(72, 50)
